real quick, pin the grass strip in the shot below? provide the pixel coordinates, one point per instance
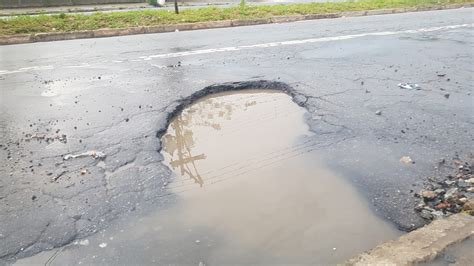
(150, 17)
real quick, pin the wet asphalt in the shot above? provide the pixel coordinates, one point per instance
(113, 95)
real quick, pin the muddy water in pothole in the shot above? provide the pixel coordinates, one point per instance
(250, 188)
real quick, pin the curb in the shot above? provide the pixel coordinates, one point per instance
(100, 33)
(421, 245)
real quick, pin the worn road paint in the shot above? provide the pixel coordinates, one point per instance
(256, 46)
(304, 41)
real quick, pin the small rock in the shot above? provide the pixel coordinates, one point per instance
(449, 182)
(471, 190)
(426, 215)
(406, 160)
(33, 198)
(450, 193)
(427, 194)
(446, 95)
(83, 171)
(449, 258)
(462, 184)
(197, 241)
(84, 242)
(103, 245)
(470, 181)
(442, 206)
(437, 214)
(378, 112)
(409, 86)
(468, 206)
(420, 206)
(462, 200)
(440, 191)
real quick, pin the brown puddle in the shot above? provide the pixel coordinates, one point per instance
(250, 189)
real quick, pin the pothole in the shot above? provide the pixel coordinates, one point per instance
(248, 171)
(249, 187)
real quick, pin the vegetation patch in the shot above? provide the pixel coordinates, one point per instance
(151, 17)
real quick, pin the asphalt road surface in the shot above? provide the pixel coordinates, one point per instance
(113, 95)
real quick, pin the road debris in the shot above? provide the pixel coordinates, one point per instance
(452, 194)
(55, 178)
(43, 136)
(378, 112)
(406, 160)
(446, 95)
(93, 153)
(409, 86)
(103, 245)
(84, 242)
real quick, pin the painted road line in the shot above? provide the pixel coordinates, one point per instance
(261, 46)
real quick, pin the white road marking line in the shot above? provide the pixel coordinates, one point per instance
(304, 41)
(264, 45)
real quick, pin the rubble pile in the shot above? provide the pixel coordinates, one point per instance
(452, 194)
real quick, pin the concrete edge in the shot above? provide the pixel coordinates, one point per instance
(421, 245)
(59, 36)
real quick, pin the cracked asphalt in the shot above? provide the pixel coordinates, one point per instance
(114, 95)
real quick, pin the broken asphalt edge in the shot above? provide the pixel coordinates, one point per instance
(421, 245)
(107, 32)
(176, 107)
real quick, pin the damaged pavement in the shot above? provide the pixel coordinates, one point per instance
(80, 119)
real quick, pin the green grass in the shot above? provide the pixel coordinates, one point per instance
(74, 22)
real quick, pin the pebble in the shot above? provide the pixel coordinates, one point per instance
(378, 112)
(426, 215)
(442, 205)
(84, 242)
(449, 182)
(428, 194)
(443, 197)
(462, 183)
(463, 200)
(450, 193)
(406, 159)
